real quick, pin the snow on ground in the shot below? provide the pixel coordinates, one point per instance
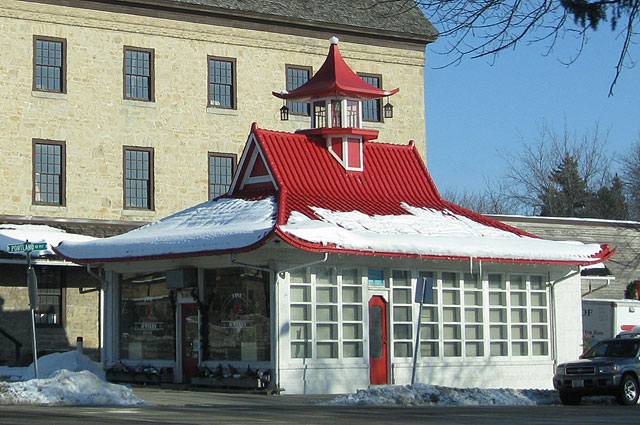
(69, 379)
(434, 395)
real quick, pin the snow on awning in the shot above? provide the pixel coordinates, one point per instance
(428, 232)
(11, 234)
(222, 225)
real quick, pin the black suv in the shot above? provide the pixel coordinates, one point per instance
(611, 367)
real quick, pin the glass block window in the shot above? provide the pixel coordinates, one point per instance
(300, 314)
(49, 57)
(221, 169)
(222, 86)
(138, 178)
(429, 328)
(352, 326)
(326, 309)
(297, 76)
(48, 172)
(50, 297)
(371, 108)
(138, 74)
(402, 317)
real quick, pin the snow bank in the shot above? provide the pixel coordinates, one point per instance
(73, 361)
(431, 395)
(69, 378)
(65, 388)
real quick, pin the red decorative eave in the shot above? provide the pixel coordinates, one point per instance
(335, 79)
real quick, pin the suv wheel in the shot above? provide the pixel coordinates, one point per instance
(570, 399)
(628, 392)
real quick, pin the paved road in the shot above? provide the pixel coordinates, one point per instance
(192, 407)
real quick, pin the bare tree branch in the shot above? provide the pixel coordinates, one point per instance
(484, 28)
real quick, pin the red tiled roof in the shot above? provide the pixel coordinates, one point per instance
(310, 177)
(335, 79)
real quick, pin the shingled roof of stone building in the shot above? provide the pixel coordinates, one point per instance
(401, 17)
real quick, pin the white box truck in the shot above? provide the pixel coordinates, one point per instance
(602, 319)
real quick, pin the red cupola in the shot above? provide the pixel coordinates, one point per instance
(336, 94)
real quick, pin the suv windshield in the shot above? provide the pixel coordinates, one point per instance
(614, 348)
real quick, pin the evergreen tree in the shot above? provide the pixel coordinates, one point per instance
(609, 202)
(566, 195)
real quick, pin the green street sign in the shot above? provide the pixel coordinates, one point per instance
(26, 247)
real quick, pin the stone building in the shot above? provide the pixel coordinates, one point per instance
(120, 113)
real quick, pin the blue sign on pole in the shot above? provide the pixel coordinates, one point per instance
(424, 290)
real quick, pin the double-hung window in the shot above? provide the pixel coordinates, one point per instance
(297, 76)
(222, 82)
(49, 64)
(138, 74)
(371, 108)
(48, 172)
(138, 178)
(50, 308)
(221, 168)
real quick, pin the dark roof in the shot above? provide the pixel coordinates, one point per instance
(400, 17)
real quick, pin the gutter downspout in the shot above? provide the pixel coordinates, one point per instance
(276, 320)
(552, 284)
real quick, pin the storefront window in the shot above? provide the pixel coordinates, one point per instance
(238, 320)
(147, 318)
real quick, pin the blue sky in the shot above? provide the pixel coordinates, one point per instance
(476, 109)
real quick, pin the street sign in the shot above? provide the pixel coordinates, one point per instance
(27, 247)
(424, 290)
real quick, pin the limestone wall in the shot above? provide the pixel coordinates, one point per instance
(95, 122)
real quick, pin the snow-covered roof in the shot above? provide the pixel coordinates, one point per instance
(11, 234)
(428, 232)
(391, 208)
(224, 225)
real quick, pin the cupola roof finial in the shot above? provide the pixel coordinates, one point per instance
(334, 40)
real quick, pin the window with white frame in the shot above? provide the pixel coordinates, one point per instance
(300, 314)
(352, 332)
(500, 316)
(402, 317)
(498, 323)
(539, 316)
(473, 315)
(326, 313)
(451, 315)
(429, 328)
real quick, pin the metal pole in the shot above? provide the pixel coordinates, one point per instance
(35, 351)
(417, 344)
(33, 321)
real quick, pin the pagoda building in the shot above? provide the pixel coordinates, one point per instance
(303, 277)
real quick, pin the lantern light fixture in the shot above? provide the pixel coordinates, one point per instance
(284, 112)
(388, 109)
